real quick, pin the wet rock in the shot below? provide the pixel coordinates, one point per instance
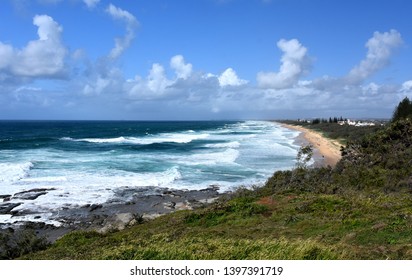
(30, 194)
(95, 207)
(5, 197)
(6, 208)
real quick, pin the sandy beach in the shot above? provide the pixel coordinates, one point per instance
(326, 149)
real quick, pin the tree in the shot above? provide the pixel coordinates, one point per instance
(304, 156)
(403, 110)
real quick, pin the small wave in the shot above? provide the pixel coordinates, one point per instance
(228, 156)
(12, 172)
(51, 179)
(180, 138)
(283, 149)
(233, 144)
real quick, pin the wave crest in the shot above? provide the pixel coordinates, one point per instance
(180, 138)
(12, 172)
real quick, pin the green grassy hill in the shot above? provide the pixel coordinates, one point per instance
(361, 209)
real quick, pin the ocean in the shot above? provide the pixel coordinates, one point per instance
(86, 162)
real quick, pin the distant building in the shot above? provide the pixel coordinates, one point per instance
(356, 123)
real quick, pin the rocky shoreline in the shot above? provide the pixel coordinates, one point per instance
(128, 207)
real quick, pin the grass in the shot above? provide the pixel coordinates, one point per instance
(283, 226)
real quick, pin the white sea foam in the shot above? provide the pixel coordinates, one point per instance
(232, 144)
(12, 172)
(228, 156)
(45, 218)
(80, 188)
(181, 138)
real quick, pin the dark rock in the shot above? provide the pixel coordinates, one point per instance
(95, 207)
(5, 197)
(7, 207)
(31, 194)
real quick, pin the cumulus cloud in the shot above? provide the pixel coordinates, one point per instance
(380, 49)
(230, 78)
(406, 86)
(151, 87)
(44, 57)
(294, 65)
(121, 44)
(183, 70)
(157, 81)
(187, 85)
(91, 3)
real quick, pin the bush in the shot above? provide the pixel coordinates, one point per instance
(14, 244)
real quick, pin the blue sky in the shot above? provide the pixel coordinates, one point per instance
(203, 59)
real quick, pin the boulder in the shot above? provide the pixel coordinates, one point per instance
(118, 222)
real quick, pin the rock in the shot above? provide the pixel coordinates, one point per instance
(212, 188)
(183, 206)
(208, 200)
(151, 216)
(5, 197)
(30, 194)
(172, 193)
(117, 222)
(95, 206)
(169, 205)
(7, 207)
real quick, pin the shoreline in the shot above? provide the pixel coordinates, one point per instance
(326, 150)
(131, 207)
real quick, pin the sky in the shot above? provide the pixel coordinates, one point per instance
(203, 59)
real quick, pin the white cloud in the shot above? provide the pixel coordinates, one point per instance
(407, 86)
(121, 44)
(44, 57)
(294, 65)
(371, 88)
(380, 49)
(91, 3)
(6, 55)
(97, 86)
(157, 81)
(183, 70)
(230, 78)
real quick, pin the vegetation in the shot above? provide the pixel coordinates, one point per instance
(14, 244)
(360, 209)
(403, 110)
(342, 133)
(304, 156)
